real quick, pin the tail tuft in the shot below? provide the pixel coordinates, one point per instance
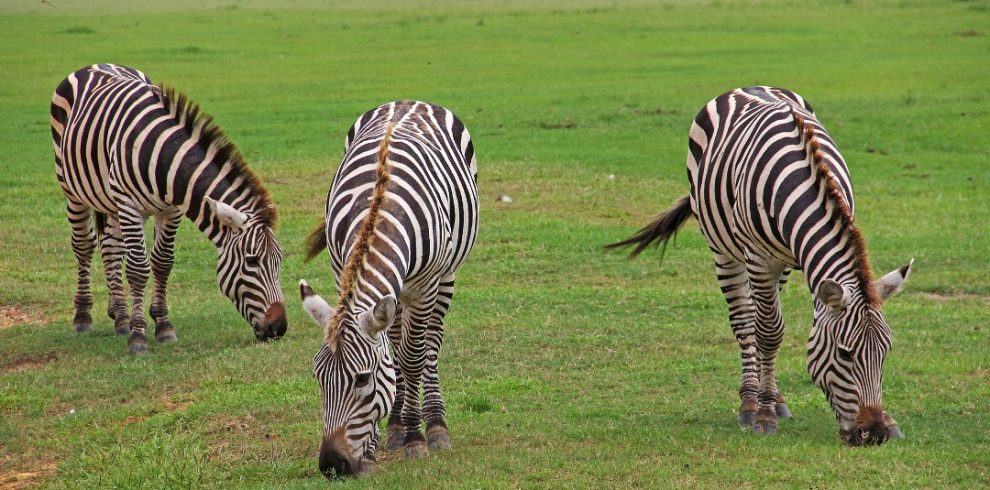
(316, 242)
(661, 229)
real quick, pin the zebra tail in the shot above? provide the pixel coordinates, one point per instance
(101, 222)
(316, 242)
(661, 229)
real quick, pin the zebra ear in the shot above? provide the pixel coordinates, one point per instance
(380, 317)
(227, 215)
(890, 284)
(833, 294)
(315, 305)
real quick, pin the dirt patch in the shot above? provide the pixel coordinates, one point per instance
(24, 472)
(970, 33)
(13, 315)
(27, 363)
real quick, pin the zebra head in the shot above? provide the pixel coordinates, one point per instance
(248, 270)
(357, 381)
(849, 343)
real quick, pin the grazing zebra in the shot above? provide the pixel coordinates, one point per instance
(401, 216)
(126, 150)
(772, 193)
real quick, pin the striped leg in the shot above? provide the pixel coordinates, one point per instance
(434, 410)
(166, 225)
(112, 251)
(769, 334)
(83, 242)
(412, 362)
(734, 282)
(394, 430)
(782, 410)
(138, 268)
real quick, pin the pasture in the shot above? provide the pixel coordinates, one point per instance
(563, 366)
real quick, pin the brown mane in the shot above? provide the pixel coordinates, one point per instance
(355, 263)
(864, 274)
(187, 111)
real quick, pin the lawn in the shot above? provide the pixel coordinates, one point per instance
(563, 366)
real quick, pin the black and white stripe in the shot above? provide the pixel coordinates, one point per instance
(401, 217)
(772, 193)
(126, 150)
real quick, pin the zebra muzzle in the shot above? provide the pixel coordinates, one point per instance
(274, 325)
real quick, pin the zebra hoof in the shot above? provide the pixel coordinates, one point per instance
(166, 336)
(82, 322)
(368, 466)
(121, 326)
(782, 410)
(765, 427)
(395, 438)
(137, 344)
(415, 450)
(746, 419)
(437, 438)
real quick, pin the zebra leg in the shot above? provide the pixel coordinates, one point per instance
(395, 432)
(162, 253)
(83, 242)
(769, 334)
(112, 251)
(132, 228)
(782, 410)
(412, 361)
(434, 409)
(733, 280)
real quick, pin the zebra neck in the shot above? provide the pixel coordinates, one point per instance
(836, 259)
(194, 181)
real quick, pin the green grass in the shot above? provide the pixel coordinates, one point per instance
(563, 366)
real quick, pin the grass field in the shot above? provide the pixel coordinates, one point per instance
(563, 366)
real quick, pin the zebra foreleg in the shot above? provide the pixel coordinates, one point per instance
(769, 334)
(733, 280)
(434, 409)
(112, 251)
(395, 432)
(83, 242)
(138, 268)
(162, 254)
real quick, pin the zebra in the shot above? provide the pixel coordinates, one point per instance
(401, 217)
(126, 150)
(772, 193)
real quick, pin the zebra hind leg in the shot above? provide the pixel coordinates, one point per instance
(112, 251)
(83, 242)
(434, 409)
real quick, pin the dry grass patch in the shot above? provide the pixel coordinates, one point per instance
(27, 362)
(15, 314)
(25, 471)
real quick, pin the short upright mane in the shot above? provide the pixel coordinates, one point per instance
(864, 273)
(227, 153)
(362, 243)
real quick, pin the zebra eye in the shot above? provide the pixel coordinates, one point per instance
(362, 379)
(845, 354)
(251, 260)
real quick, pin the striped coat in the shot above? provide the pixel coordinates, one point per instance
(772, 193)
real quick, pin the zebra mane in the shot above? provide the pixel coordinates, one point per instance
(864, 273)
(362, 244)
(185, 110)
